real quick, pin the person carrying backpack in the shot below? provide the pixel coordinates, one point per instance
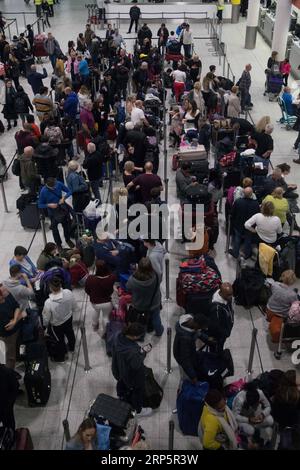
(128, 367)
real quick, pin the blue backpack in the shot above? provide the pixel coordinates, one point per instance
(190, 402)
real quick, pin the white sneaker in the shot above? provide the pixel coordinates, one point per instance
(145, 412)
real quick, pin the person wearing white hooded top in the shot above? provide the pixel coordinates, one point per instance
(58, 312)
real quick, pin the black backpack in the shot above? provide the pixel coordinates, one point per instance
(247, 288)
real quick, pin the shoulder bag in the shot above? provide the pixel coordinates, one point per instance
(136, 316)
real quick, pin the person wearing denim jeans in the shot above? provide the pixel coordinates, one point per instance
(156, 322)
(243, 208)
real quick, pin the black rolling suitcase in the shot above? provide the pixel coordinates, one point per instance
(37, 378)
(113, 410)
(30, 216)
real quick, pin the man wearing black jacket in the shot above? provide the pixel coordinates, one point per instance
(188, 330)
(221, 318)
(163, 34)
(243, 208)
(134, 14)
(137, 138)
(93, 164)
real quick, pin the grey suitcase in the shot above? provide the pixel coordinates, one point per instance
(30, 216)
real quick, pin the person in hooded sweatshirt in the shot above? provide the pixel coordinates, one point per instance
(156, 253)
(128, 367)
(221, 315)
(21, 293)
(146, 295)
(58, 312)
(189, 328)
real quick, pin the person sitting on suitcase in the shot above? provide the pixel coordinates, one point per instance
(218, 426)
(184, 181)
(189, 328)
(221, 316)
(128, 367)
(85, 438)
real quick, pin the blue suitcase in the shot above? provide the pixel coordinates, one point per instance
(190, 402)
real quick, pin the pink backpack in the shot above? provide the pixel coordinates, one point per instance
(294, 312)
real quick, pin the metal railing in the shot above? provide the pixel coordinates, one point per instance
(2, 179)
(12, 28)
(24, 14)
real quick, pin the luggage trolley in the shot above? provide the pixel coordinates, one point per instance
(289, 332)
(274, 84)
(286, 118)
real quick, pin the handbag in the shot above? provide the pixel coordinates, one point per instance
(134, 315)
(60, 213)
(16, 167)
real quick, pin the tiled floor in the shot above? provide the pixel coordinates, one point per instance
(72, 387)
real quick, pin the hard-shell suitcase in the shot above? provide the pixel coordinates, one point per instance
(37, 378)
(113, 410)
(23, 439)
(30, 216)
(190, 402)
(189, 153)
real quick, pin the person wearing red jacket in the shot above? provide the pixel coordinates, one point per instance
(285, 69)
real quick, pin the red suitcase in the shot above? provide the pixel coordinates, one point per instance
(23, 439)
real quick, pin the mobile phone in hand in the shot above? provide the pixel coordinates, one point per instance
(147, 348)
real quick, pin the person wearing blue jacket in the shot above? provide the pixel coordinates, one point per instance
(78, 187)
(287, 98)
(22, 259)
(52, 197)
(71, 104)
(84, 70)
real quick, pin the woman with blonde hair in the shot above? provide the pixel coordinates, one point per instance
(83, 95)
(281, 205)
(196, 96)
(265, 225)
(261, 124)
(234, 103)
(279, 304)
